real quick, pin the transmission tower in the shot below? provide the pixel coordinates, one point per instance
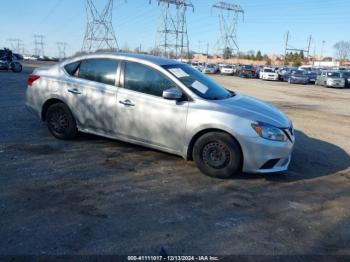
(228, 15)
(290, 48)
(172, 37)
(39, 45)
(61, 50)
(17, 45)
(99, 29)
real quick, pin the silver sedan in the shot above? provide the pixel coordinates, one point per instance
(162, 104)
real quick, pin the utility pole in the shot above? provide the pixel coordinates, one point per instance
(289, 48)
(309, 46)
(322, 49)
(17, 45)
(228, 17)
(62, 46)
(99, 29)
(285, 50)
(39, 45)
(172, 37)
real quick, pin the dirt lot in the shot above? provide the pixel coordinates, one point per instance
(98, 196)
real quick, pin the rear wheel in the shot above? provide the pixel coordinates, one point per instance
(218, 155)
(61, 122)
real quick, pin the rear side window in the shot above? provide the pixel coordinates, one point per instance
(146, 80)
(99, 70)
(72, 68)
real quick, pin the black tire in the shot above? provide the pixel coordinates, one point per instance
(218, 154)
(16, 67)
(61, 122)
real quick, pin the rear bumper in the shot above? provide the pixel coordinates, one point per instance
(259, 153)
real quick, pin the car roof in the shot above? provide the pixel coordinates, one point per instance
(161, 61)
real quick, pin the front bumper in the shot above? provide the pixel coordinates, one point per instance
(340, 85)
(265, 156)
(271, 78)
(299, 81)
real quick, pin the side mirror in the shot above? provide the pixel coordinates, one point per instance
(172, 94)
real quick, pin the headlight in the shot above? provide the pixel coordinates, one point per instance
(269, 132)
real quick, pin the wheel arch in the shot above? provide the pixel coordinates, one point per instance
(194, 139)
(47, 105)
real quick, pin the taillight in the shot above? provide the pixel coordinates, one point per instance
(32, 79)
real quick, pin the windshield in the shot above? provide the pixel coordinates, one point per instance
(248, 67)
(268, 70)
(346, 74)
(198, 83)
(333, 74)
(299, 72)
(228, 67)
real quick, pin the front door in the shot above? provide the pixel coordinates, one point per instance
(144, 115)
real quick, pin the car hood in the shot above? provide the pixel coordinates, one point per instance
(255, 110)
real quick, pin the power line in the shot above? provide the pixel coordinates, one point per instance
(290, 48)
(17, 45)
(39, 45)
(62, 46)
(99, 29)
(172, 36)
(228, 16)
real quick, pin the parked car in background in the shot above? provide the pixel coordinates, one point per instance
(227, 70)
(288, 73)
(299, 77)
(246, 71)
(8, 61)
(165, 105)
(268, 73)
(211, 69)
(330, 78)
(198, 66)
(257, 71)
(346, 76)
(312, 76)
(281, 72)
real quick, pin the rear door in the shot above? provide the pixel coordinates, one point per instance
(92, 94)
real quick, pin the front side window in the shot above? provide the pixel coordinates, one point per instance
(99, 70)
(141, 78)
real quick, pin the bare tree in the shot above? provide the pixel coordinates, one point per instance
(342, 50)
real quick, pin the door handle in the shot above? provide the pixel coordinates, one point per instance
(126, 103)
(74, 91)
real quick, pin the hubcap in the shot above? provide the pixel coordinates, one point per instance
(58, 122)
(216, 155)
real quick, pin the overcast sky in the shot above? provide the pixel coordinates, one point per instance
(136, 21)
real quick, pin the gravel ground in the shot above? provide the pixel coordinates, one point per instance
(99, 196)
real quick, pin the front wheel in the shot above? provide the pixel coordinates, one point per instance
(217, 154)
(61, 122)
